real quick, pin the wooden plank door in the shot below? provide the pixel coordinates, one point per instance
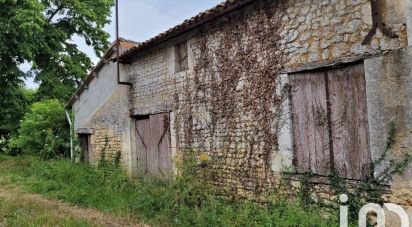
(143, 144)
(347, 92)
(330, 122)
(153, 146)
(310, 127)
(161, 146)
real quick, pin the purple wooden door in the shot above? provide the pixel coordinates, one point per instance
(330, 127)
(153, 146)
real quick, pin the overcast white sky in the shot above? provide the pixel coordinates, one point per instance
(140, 20)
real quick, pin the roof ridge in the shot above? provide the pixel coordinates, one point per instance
(128, 40)
(188, 24)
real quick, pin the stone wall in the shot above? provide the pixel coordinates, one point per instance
(319, 190)
(325, 31)
(152, 82)
(230, 103)
(389, 87)
(110, 124)
(104, 139)
(103, 110)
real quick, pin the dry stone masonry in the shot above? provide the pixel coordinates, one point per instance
(152, 84)
(324, 31)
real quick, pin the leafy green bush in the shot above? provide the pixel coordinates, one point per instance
(185, 201)
(43, 130)
(3, 145)
(14, 103)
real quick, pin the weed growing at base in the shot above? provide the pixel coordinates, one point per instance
(184, 201)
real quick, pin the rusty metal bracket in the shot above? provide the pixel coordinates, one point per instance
(377, 22)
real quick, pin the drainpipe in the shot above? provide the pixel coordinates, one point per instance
(71, 134)
(118, 47)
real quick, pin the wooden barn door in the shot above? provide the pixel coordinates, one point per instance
(330, 126)
(310, 123)
(154, 156)
(143, 144)
(349, 119)
(162, 155)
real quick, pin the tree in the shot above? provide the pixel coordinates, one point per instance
(13, 109)
(44, 130)
(40, 32)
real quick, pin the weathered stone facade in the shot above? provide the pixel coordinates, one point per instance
(152, 83)
(227, 101)
(101, 110)
(221, 103)
(232, 103)
(111, 128)
(324, 31)
(390, 88)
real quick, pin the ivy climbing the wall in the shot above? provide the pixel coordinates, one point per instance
(231, 107)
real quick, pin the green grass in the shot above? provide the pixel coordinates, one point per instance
(183, 202)
(18, 212)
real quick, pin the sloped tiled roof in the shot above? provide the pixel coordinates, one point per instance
(187, 25)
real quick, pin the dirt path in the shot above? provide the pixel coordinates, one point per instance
(63, 209)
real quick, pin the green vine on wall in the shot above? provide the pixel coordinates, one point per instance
(232, 97)
(105, 162)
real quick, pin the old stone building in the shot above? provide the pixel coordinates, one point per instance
(269, 89)
(101, 109)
